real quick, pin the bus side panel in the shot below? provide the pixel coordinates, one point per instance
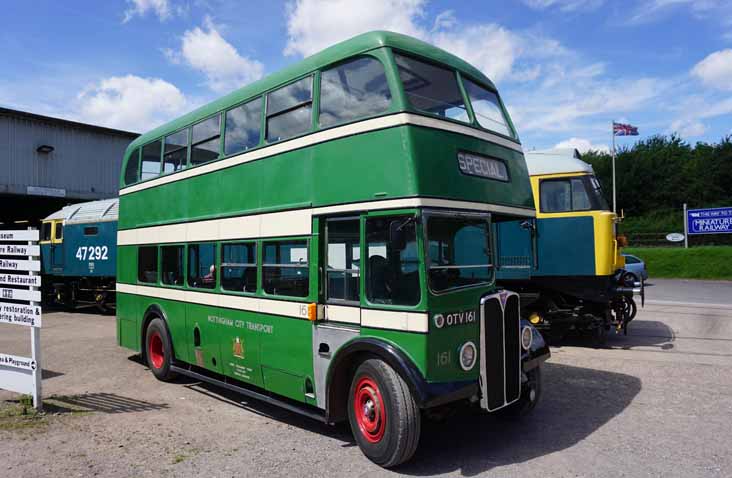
(128, 321)
(286, 354)
(414, 345)
(201, 335)
(295, 179)
(566, 246)
(127, 264)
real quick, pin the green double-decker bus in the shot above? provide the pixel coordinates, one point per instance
(321, 239)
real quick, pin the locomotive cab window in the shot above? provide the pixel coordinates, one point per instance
(571, 194)
(46, 231)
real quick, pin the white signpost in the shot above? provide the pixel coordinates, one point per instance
(20, 305)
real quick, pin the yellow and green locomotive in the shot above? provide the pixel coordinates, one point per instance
(567, 263)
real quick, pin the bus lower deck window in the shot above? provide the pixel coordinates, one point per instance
(147, 264)
(202, 266)
(239, 267)
(285, 268)
(172, 265)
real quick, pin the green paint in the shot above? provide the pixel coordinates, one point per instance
(276, 352)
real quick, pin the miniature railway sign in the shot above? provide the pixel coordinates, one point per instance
(709, 221)
(20, 298)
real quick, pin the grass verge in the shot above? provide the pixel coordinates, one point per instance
(703, 262)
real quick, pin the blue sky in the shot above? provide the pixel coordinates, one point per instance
(566, 68)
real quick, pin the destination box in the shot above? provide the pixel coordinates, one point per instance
(19, 250)
(14, 361)
(20, 280)
(20, 294)
(20, 314)
(20, 265)
(26, 235)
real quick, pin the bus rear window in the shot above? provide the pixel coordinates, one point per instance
(432, 89)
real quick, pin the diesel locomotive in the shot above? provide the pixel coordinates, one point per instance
(567, 263)
(79, 255)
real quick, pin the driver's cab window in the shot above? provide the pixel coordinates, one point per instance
(392, 274)
(58, 232)
(46, 231)
(564, 195)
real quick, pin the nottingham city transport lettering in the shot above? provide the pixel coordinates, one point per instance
(242, 324)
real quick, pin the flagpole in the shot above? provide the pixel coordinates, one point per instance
(615, 209)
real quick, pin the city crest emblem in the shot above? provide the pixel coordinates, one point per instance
(238, 348)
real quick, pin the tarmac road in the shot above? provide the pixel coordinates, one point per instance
(653, 403)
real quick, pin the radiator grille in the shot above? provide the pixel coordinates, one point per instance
(501, 354)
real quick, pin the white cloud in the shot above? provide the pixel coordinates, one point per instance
(204, 49)
(161, 8)
(564, 5)
(653, 10)
(715, 70)
(688, 129)
(315, 24)
(490, 48)
(582, 145)
(130, 102)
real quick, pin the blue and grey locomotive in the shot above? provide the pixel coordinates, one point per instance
(79, 254)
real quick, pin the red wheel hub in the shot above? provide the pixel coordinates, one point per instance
(155, 350)
(369, 410)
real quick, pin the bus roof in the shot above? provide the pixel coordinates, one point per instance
(340, 51)
(555, 161)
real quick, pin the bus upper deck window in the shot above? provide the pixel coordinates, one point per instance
(487, 108)
(176, 152)
(432, 89)
(132, 170)
(392, 270)
(242, 127)
(289, 110)
(205, 137)
(151, 160)
(352, 90)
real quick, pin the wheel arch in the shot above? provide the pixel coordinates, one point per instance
(346, 360)
(154, 311)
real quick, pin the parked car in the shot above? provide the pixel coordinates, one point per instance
(636, 266)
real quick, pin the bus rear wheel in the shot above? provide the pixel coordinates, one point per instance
(384, 418)
(159, 350)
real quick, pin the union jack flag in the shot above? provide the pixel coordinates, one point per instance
(620, 129)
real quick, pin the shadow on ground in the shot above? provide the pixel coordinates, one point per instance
(100, 402)
(576, 402)
(641, 333)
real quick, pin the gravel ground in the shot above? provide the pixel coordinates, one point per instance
(655, 403)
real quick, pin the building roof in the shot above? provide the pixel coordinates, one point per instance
(87, 212)
(556, 161)
(60, 121)
(354, 46)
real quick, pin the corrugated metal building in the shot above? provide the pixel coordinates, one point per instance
(47, 163)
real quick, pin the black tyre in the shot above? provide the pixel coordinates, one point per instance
(384, 418)
(159, 350)
(530, 396)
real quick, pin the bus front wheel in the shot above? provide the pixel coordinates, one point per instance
(159, 350)
(384, 417)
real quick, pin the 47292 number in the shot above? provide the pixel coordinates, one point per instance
(92, 253)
